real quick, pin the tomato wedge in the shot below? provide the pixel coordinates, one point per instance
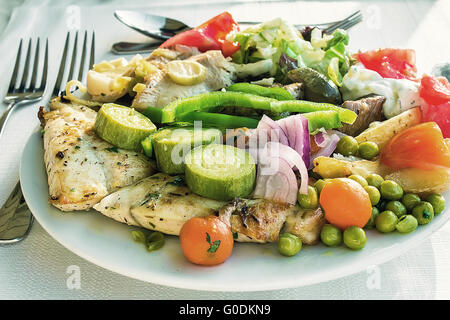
(391, 63)
(436, 107)
(209, 35)
(421, 146)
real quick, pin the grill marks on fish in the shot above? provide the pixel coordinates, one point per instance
(81, 170)
(157, 203)
(368, 109)
(161, 90)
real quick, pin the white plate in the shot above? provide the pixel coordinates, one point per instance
(251, 267)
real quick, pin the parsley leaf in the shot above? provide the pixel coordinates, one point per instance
(112, 149)
(213, 246)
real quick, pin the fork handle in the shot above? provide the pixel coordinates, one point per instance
(5, 116)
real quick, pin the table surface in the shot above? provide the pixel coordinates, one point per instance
(40, 268)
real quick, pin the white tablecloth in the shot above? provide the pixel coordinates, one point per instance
(36, 268)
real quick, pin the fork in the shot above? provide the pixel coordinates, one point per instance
(15, 216)
(25, 94)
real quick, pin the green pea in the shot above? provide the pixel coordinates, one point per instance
(355, 238)
(155, 241)
(288, 244)
(310, 200)
(396, 207)
(437, 201)
(423, 212)
(331, 235)
(410, 200)
(386, 221)
(371, 223)
(138, 236)
(374, 194)
(406, 224)
(381, 205)
(359, 179)
(319, 185)
(374, 180)
(347, 146)
(155, 236)
(368, 150)
(155, 245)
(391, 190)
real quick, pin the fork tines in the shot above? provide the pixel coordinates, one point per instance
(346, 23)
(60, 84)
(23, 82)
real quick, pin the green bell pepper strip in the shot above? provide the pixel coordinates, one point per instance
(322, 119)
(212, 100)
(154, 114)
(219, 120)
(147, 146)
(274, 92)
(301, 106)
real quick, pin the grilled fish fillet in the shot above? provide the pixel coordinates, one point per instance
(161, 90)
(81, 167)
(163, 203)
(160, 202)
(262, 221)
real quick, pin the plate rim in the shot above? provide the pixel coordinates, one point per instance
(159, 279)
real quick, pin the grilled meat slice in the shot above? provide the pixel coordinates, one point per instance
(305, 224)
(163, 203)
(262, 220)
(255, 220)
(81, 167)
(161, 90)
(368, 109)
(160, 202)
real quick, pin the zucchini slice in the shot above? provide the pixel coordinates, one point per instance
(220, 172)
(122, 126)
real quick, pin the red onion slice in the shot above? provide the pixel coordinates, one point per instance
(327, 142)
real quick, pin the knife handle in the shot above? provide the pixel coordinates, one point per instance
(132, 47)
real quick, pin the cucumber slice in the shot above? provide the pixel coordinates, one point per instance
(220, 172)
(171, 145)
(122, 126)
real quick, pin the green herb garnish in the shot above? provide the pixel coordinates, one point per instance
(178, 181)
(214, 245)
(112, 149)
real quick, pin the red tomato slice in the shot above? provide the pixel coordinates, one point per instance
(209, 35)
(391, 63)
(421, 146)
(435, 91)
(439, 114)
(192, 38)
(436, 94)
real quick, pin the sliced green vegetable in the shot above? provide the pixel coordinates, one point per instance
(122, 126)
(269, 92)
(216, 100)
(317, 87)
(322, 119)
(219, 120)
(147, 146)
(220, 172)
(171, 145)
(153, 113)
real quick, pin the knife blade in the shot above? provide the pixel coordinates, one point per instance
(157, 27)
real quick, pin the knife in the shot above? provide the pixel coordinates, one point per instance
(157, 27)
